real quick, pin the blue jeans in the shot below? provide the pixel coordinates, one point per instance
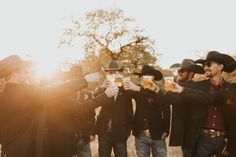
(210, 146)
(83, 149)
(106, 143)
(145, 144)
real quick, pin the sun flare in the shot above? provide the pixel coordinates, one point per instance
(46, 68)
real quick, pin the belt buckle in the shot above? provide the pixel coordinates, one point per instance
(213, 133)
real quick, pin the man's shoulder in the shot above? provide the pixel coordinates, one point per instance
(202, 85)
(202, 82)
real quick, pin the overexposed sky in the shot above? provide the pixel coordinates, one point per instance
(180, 28)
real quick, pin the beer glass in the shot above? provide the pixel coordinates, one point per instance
(169, 83)
(118, 80)
(147, 81)
(126, 81)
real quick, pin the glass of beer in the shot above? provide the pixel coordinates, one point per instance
(126, 80)
(147, 81)
(169, 83)
(118, 80)
(111, 78)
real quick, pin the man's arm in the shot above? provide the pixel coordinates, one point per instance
(63, 90)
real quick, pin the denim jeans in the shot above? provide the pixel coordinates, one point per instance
(83, 149)
(210, 146)
(106, 144)
(144, 144)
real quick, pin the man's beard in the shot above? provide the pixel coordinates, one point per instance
(184, 79)
(209, 74)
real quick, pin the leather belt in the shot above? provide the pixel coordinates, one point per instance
(213, 133)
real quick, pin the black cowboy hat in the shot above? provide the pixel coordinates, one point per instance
(231, 66)
(113, 66)
(176, 65)
(189, 65)
(148, 70)
(12, 64)
(219, 58)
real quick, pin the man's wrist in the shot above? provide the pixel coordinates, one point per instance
(156, 89)
(181, 90)
(138, 89)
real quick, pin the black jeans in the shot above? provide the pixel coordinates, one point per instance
(210, 146)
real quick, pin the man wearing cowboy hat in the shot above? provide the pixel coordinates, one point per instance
(215, 63)
(207, 130)
(115, 118)
(25, 110)
(67, 115)
(85, 123)
(20, 106)
(152, 117)
(186, 71)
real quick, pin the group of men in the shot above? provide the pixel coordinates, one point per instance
(59, 120)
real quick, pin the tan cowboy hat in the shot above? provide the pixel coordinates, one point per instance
(12, 64)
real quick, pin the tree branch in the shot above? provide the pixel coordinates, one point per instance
(136, 41)
(107, 40)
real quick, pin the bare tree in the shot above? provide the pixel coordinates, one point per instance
(108, 34)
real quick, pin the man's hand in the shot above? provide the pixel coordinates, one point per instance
(173, 87)
(154, 87)
(112, 91)
(128, 85)
(224, 151)
(92, 138)
(163, 136)
(93, 77)
(106, 84)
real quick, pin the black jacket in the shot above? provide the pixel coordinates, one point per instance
(62, 124)
(86, 121)
(120, 112)
(180, 114)
(151, 107)
(230, 118)
(21, 112)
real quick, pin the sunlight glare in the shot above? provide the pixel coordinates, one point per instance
(47, 67)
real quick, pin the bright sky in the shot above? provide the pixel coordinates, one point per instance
(180, 28)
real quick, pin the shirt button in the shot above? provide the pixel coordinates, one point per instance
(215, 108)
(214, 116)
(213, 124)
